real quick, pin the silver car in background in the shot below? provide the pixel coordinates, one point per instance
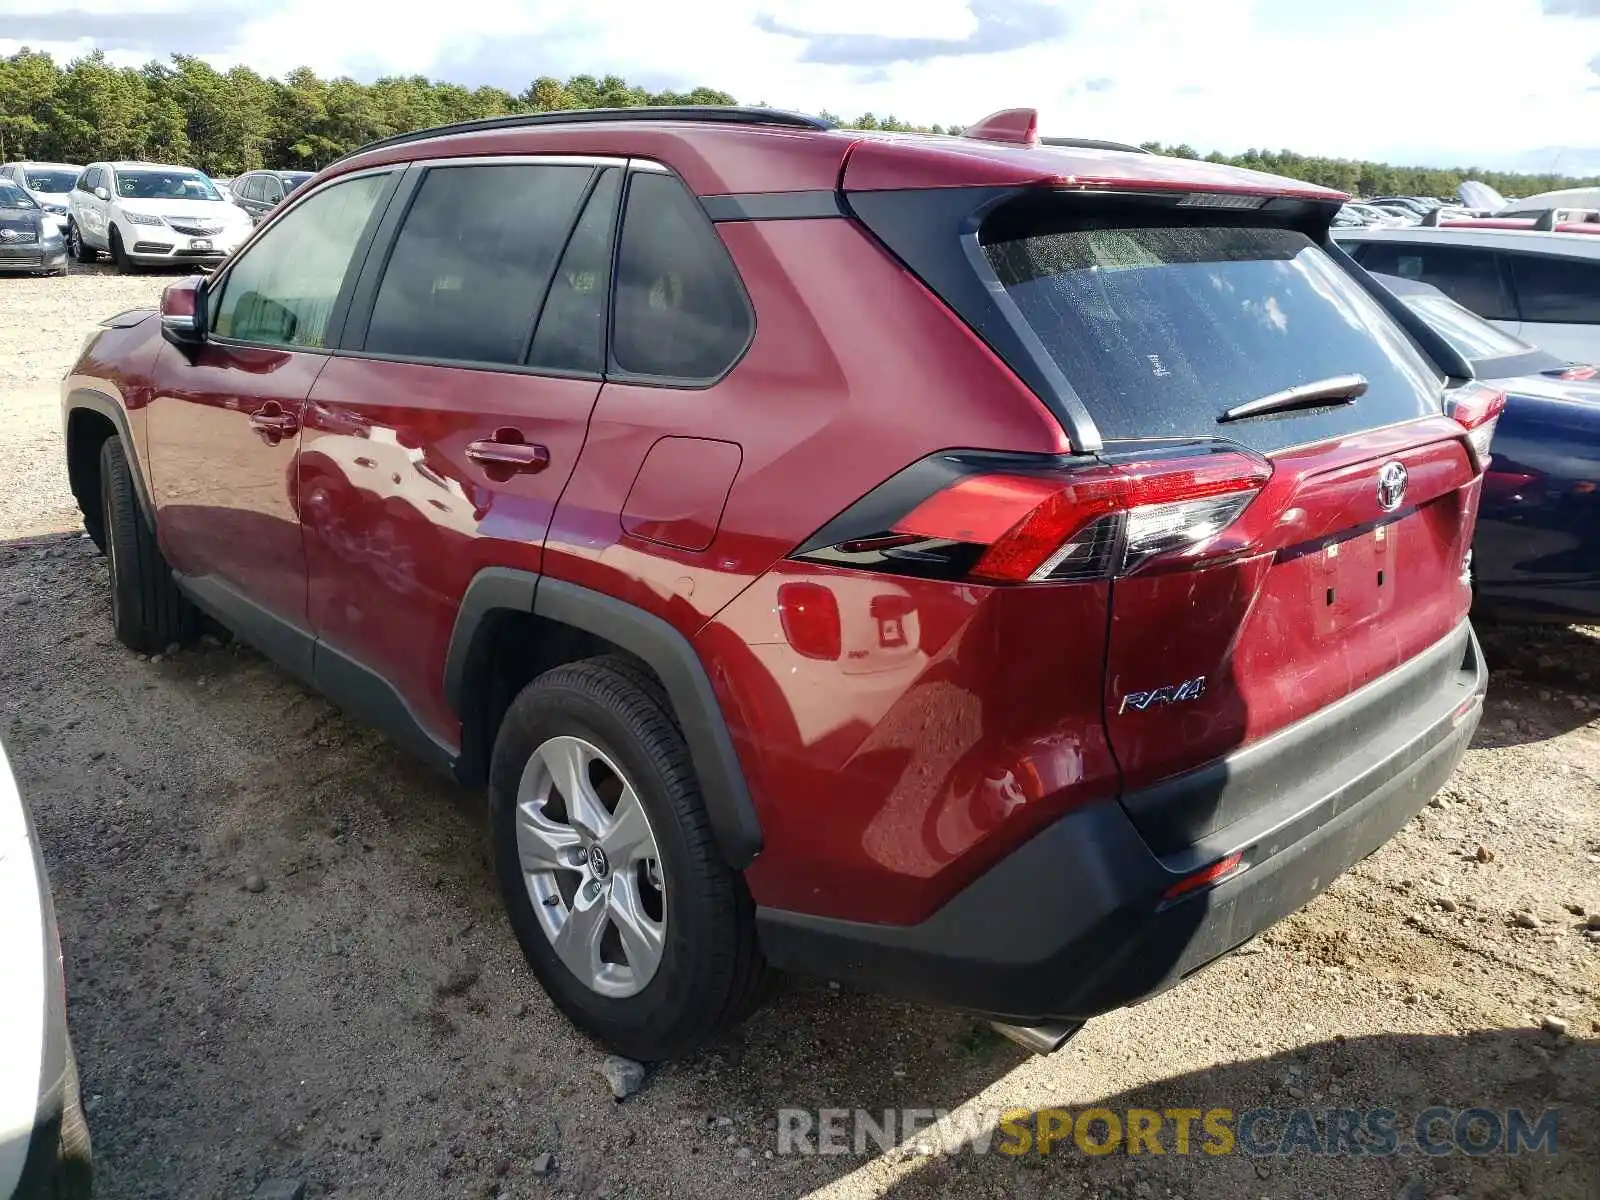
(48, 183)
(44, 1141)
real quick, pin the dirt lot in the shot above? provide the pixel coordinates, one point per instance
(364, 1022)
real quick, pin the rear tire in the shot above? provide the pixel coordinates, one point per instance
(76, 246)
(148, 612)
(710, 973)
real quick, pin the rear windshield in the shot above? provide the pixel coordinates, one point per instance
(1162, 329)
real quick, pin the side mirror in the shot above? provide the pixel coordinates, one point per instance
(183, 313)
(102, 194)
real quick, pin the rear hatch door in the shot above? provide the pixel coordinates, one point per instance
(1350, 560)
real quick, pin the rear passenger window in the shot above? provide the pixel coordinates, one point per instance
(681, 312)
(469, 269)
(572, 327)
(1469, 276)
(1557, 289)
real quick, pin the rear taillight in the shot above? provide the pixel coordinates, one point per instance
(1575, 371)
(1477, 407)
(1008, 519)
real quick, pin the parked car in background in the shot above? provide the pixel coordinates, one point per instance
(1359, 214)
(1576, 197)
(1419, 206)
(259, 192)
(44, 1140)
(148, 214)
(49, 184)
(1537, 551)
(685, 588)
(1544, 287)
(30, 241)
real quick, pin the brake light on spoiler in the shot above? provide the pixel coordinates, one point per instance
(1012, 519)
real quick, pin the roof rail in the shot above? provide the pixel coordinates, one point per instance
(1077, 143)
(713, 113)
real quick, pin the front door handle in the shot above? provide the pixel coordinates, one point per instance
(273, 424)
(507, 451)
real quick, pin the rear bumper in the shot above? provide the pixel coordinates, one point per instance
(1074, 923)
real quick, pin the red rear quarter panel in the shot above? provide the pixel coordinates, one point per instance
(869, 772)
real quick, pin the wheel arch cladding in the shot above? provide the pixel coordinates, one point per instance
(495, 591)
(89, 418)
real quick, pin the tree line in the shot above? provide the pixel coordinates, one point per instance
(225, 122)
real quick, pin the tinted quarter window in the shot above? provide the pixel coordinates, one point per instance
(470, 266)
(572, 326)
(1468, 275)
(1557, 289)
(282, 291)
(1160, 330)
(245, 188)
(680, 308)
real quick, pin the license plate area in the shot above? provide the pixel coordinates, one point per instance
(1353, 579)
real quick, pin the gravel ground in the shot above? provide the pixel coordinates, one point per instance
(286, 959)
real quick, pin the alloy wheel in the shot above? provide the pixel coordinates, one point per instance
(591, 866)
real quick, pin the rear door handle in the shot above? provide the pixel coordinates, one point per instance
(507, 451)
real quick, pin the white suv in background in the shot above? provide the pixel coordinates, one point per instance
(48, 183)
(148, 214)
(1542, 286)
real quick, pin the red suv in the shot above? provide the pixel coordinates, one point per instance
(1001, 574)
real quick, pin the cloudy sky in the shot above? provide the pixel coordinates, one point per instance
(1512, 83)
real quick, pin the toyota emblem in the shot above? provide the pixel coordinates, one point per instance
(8, 235)
(1391, 485)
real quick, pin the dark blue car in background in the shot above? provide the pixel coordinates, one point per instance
(1537, 551)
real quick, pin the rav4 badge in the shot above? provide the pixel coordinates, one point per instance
(1173, 693)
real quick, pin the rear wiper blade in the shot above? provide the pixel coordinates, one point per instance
(1339, 389)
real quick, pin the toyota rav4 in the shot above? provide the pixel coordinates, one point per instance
(1001, 574)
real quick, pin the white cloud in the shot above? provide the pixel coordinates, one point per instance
(1447, 81)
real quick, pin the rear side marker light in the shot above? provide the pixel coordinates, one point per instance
(1477, 408)
(809, 613)
(1206, 876)
(1054, 523)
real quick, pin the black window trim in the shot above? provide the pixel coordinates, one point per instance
(340, 312)
(614, 371)
(549, 284)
